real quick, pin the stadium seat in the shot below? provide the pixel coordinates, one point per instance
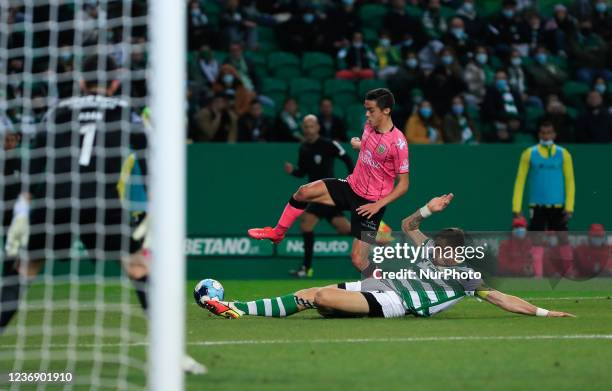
(259, 61)
(370, 36)
(342, 92)
(523, 138)
(266, 39)
(318, 65)
(306, 91)
(284, 65)
(272, 85)
(372, 15)
(355, 119)
(574, 92)
(367, 85)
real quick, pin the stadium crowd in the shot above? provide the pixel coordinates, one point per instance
(462, 71)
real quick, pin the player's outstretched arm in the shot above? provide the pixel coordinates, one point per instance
(519, 306)
(411, 224)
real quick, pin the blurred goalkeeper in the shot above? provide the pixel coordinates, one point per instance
(89, 153)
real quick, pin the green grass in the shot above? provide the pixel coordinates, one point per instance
(471, 346)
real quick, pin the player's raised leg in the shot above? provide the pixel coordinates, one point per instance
(311, 192)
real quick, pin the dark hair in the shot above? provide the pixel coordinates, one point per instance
(546, 123)
(453, 237)
(383, 97)
(91, 68)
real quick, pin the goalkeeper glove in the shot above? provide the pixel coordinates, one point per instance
(19, 230)
(142, 232)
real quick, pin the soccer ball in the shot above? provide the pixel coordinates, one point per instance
(207, 289)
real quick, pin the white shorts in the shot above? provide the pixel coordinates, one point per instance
(391, 304)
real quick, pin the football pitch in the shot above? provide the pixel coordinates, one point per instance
(474, 345)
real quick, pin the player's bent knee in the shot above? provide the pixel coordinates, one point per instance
(323, 298)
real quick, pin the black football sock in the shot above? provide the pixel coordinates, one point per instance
(141, 286)
(308, 248)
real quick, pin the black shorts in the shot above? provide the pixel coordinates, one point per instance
(105, 233)
(324, 211)
(547, 218)
(345, 198)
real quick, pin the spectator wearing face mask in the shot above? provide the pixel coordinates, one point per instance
(287, 126)
(204, 69)
(508, 29)
(408, 76)
(545, 78)
(595, 121)
(356, 61)
(550, 172)
(557, 260)
(304, 31)
(458, 128)
(560, 27)
(423, 126)
(474, 25)
(602, 20)
(244, 67)
(237, 26)
(477, 75)
(595, 257)
(556, 113)
(445, 81)
(600, 86)
(388, 57)
(514, 256)
(253, 126)
(342, 21)
(230, 84)
(458, 39)
(502, 106)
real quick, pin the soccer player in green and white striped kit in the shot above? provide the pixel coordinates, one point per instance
(391, 298)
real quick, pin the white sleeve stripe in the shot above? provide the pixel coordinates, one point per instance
(337, 144)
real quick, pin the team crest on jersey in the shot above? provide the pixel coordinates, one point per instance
(318, 159)
(380, 149)
(401, 143)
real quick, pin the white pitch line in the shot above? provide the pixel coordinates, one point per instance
(347, 340)
(569, 298)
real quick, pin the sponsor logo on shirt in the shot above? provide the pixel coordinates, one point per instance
(405, 165)
(367, 159)
(401, 143)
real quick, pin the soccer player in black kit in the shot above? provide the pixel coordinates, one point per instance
(316, 159)
(75, 185)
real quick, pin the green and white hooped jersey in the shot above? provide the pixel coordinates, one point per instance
(427, 297)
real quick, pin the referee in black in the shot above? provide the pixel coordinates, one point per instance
(316, 159)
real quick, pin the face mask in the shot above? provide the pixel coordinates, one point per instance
(425, 112)
(228, 79)
(516, 61)
(601, 88)
(468, 7)
(412, 63)
(541, 58)
(601, 7)
(546, 143)
(596, 241)
(458, 109)
(65, 55)
(358, 45)
(501, 84)
(508, 13)
(348, 2)
(553, 241)
(308, 18)
(447, 60)
(407, 42)
(482, 58)
(385, 42)
(458, 32)
(519, 232)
